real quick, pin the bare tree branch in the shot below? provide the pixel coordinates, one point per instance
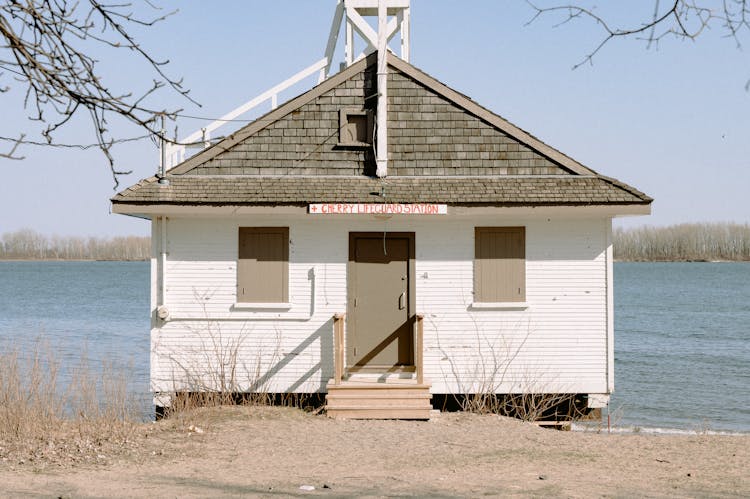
(14, 143)
(686, 19)
(47, 46)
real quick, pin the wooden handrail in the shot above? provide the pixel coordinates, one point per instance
(419, 348)
(338, 348)
(175, 153)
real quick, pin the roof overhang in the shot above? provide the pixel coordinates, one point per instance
(567, 211)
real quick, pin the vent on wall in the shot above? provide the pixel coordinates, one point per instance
(355, 128)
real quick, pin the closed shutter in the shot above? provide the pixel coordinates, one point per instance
(500, 264)
(263, 265)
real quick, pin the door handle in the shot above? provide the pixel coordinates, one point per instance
(402, 301)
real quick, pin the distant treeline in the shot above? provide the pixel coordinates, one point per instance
(30, 245)
(684, 242)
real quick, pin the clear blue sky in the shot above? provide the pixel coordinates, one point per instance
(673, 122)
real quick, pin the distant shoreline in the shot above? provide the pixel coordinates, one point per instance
(73, 260)
(697, 260)
(147, 259)
(29, 245)
(700, 242)
(695, 242)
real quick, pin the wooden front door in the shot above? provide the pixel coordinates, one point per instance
(381, 301)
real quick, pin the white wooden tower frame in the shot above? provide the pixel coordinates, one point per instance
(350, 13)
(355, 11)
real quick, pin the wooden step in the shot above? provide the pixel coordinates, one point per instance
(383, 393)
(356, 406)
(380, 396)
(378, 400)
(389, 383)
(390, 380)
(378, 404)
(380, 413)
(375, 387)
(422, 402)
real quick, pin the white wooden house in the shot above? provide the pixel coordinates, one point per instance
(382, 231)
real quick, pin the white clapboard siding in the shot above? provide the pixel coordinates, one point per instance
(558, 343)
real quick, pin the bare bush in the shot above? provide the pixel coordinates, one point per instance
(528, 404)
(499, 385)
(217, 369)
(38, 403)
(683, 242)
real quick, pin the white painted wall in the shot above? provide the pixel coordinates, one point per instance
(559, 343)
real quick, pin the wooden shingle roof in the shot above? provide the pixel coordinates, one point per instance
(299, 190)
(443, 148)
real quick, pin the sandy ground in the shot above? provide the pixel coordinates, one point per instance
(245, 451)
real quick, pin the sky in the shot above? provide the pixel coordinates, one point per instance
(673, 122)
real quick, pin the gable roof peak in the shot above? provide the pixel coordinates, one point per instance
(369, 63)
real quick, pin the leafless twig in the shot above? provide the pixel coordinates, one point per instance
(47, 47)
(14, 143)
(686, 19)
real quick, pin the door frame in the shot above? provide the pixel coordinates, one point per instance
(350, 288)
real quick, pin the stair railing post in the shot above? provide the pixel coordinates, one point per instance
(338, 346)
(418, 348)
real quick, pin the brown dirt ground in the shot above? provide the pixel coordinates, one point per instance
(262, 451)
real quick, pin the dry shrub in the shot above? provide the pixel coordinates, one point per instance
(529, 407)
(29, 400)
(222, 370)
(183, 404)
(483, 389)
(214, 374)
(40, 409)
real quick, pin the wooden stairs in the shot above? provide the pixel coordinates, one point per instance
(398, 399)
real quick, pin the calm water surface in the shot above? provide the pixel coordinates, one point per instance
(682, 332)
(97, 308)
(682, 345)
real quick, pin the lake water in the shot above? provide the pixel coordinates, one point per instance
(682, 345)
(682, 333)
(100, 308)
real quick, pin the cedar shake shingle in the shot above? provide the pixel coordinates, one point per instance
(296, 190)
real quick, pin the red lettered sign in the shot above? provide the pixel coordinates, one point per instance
(377, 209)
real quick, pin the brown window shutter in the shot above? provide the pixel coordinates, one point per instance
(263, 265)
(500, 264)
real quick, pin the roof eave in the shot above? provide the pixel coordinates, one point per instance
(146, 209)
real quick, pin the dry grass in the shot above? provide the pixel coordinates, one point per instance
(530, 407)
(186, 402)
(484, 388)
(81, 416)
(222, 371)
(51, 417)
